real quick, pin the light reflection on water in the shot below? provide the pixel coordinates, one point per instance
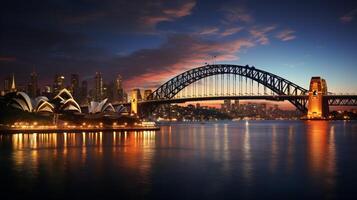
(322, 151)
(253, 160)
(247, 163)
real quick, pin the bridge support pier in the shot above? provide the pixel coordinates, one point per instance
(134, 102)
(317, 105)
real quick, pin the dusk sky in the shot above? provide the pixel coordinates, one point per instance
(148, 42)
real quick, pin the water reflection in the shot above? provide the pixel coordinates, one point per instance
(247, 157)
(214, 158)
(291, 149)
(137, 149)
(322, 151)
(274, 150)
(45, 149)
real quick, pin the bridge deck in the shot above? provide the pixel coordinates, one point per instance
(334, 100)
(212, 98)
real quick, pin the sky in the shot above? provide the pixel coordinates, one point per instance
(149, 42)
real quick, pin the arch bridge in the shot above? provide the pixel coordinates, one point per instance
(226, 81)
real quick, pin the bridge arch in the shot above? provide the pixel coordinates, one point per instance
(275, 83)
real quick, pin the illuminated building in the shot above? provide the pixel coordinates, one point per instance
(70, 105)
(32, 89)
(119, 91)
(7, 84)
(235, 105)
(108, 91)
(98, 93)
(10, 85)
(42, 105)
(122, 110)
(317, 105)
(84, 91)
(13, 85)
(147, 94)
(64, 102)
(226, 106)
(75, 85)
(100, 107)
(58, 83)
(46, 91)
(22, 101)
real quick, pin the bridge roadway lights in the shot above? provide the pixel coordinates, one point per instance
(317, 105)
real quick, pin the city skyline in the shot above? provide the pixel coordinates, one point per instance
(148, 48)
(97, 89)
(178, 99)
(83, 91)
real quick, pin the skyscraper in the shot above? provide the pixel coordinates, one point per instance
(226, 106)
(58, 83)
(32, 89)
(119, 91)
(109, 91)
(13, 84)
(75, 86)
(46, 91)
(235, 106)
(98, 86)
(7, 84)
(84, 91)
(147, 94)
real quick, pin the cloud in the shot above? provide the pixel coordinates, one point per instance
(219, 31)
(349, 17)
(105, 15)
(61, 36)
(55, 36)
(208, 31)
(286, 35)
(48, 51)
(151, 67)
(168, 14)
(260, 34)
(231, 31)
(236, 13)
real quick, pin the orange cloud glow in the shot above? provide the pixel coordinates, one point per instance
(191, 52)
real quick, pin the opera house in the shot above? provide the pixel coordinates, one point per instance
(18, 106)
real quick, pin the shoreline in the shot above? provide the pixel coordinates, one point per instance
(75, 130)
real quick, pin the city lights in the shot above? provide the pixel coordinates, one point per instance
(184, 99)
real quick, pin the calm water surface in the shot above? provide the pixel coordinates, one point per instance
(225, 160)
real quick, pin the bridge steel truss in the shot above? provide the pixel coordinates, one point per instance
(275, 83)
(342, 100)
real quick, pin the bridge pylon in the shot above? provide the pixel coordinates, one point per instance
(134, 102)
(317, 103)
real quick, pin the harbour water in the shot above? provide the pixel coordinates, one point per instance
(220, 160)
